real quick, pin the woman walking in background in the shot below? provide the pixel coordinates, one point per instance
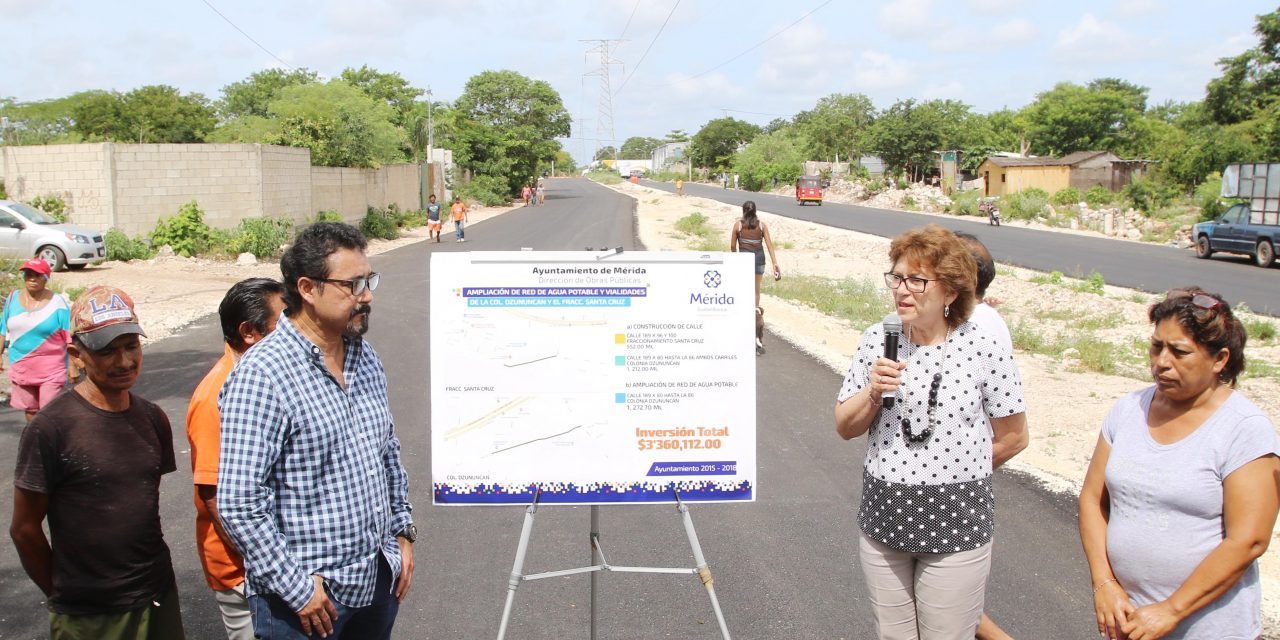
(1180, 497)
(36, 326)
(927, 517)
(751, 234)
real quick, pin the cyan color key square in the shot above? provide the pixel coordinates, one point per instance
(620, 398)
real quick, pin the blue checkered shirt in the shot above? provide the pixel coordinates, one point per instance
(309, 477)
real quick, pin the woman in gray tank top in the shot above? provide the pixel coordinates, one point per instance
(1180, 497)
(752, 234)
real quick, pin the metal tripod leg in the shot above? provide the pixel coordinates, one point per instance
(517, 570)
(704, 571)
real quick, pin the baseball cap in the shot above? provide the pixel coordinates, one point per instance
(102, 314)
(37, 265)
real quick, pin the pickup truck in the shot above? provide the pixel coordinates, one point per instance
(1234, 232)
(1252, 227)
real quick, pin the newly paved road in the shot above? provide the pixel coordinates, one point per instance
(784, 565)
(1152, 268)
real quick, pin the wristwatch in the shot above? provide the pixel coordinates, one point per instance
(410, 533)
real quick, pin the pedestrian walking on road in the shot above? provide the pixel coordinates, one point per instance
(36, 325)
(542, 192)
(752, 234)
(248, 312)
(90, 465)
(679, 187)
(311, 488)
(434, 223)
(459, 213)
(932, 446)
(526, 194)
(1180, 497)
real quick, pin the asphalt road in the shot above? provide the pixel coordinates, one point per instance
(785, 565)
(1146, 267)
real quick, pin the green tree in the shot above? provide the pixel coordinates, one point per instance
(390, 88)
(605, 153)
(340, 124)
(564, 163)
(908, 134)
(1250, 81)
(253, 95)
(770, 155)
(716, 142)
(155, 113)
(837, 125)
(638, 148)
(677, 135)
(1070, 117)
(508, 125)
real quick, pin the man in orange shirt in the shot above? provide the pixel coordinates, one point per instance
(459, 212)
(248, 312)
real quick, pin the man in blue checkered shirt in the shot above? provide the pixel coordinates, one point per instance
(310, 485)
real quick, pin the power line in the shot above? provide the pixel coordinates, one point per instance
(754, 46)
(215, 10)
(628, 24)
(604, 123)
(646, 51)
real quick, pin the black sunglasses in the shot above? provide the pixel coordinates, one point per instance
(358, 284)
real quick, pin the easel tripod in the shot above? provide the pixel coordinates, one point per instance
(599, 564)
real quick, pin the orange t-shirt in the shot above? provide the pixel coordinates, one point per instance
(459, 210)
(223, 568)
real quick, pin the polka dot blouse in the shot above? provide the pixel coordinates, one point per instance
(935, 496)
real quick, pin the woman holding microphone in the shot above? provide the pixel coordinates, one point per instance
(927, 515)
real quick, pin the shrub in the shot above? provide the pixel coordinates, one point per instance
(1026, 204)
(186, 233)
(965, 203)
(491, 191)
(261, 236)
(1148, 196)
(328, 215)
(121, 247)
(378, 223)
(4, 195)
(1068, 196)
(52, 205)
(1098, 197)
(876, 186)
(908, 202)
(1207, 198)
(902, 183)
(1259, 329)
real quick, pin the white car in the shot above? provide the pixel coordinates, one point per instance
(26, 232)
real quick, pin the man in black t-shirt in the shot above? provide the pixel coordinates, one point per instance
(90, 462)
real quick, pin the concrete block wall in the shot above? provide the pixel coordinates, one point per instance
(132, 186)
(77, 173)
(286, 183)
(153, 181)
(401, 185)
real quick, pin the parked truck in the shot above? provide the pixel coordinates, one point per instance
(627, 167)
(1252, 227)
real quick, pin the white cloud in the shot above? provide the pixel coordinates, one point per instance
(950, 91)
(1015, 33)
(990, 7)
(908, 18)
(18, 9)
(680, 87)
(1092, 40)
(876, 70)
(1138, 8)
(802, 59)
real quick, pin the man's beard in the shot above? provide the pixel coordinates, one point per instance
(358, 324)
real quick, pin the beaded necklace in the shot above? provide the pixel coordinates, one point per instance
(934, 385)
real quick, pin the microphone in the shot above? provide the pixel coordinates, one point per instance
(892, 331)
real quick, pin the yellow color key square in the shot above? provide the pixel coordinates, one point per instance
(619, 338)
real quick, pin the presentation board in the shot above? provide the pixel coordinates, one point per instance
(594, 378)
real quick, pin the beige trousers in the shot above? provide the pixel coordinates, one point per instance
(924, 596)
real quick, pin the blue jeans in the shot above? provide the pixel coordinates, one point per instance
(275, 620)
(458, 229)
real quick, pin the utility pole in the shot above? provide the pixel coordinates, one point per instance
(604, 123)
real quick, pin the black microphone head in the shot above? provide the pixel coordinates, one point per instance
(892, 323)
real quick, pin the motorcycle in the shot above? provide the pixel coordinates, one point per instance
(989, 207)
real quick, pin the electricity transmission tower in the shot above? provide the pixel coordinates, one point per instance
(604, 122)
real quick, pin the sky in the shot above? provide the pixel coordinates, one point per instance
(681, 63)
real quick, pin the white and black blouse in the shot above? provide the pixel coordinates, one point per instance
(935, 496)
